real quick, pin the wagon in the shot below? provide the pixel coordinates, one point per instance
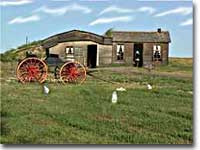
(34, 69)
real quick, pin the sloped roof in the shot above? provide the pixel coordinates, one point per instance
(117, 36)
(75, 35)
(125, 36)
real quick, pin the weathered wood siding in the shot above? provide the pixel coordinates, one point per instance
(114, 52)
(165, 53)
(147, 53)
(104, 52)
(128, 53)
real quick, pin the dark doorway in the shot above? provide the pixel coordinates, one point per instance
(138, 55)
(92, 56)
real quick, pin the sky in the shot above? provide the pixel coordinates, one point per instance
(39, 19)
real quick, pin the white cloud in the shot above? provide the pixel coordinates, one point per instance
(20, 19)
(15, 2)
(179, 10)
(52, 11)
(77, 7)
(110, 20)
(63, 10)
(187, 22)
(149, 10)
(115, 9)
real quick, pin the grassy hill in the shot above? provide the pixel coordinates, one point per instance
(19, 52)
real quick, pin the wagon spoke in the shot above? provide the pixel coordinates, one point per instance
(73, 72)
(32, 69)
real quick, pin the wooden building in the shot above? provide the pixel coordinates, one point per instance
(134, 48)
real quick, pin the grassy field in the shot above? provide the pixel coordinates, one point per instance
(84, 113)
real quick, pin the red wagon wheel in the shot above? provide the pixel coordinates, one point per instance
(73, 72)
(32, 69)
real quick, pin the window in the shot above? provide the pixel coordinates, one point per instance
(69, 50)
(120, 52)
(157, 52)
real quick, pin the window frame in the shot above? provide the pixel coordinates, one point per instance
(69, 48)
(117, 52)
(157, 48)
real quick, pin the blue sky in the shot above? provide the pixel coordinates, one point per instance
(39, 19)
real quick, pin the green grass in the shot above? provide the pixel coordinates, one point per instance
(179, 64)
(84, 113)
(13, 55)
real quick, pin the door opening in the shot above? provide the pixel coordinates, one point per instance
(138, 55)
(92, 56)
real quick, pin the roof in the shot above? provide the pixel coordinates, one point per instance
(117, 36)
(125, 36)
(75, 35)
